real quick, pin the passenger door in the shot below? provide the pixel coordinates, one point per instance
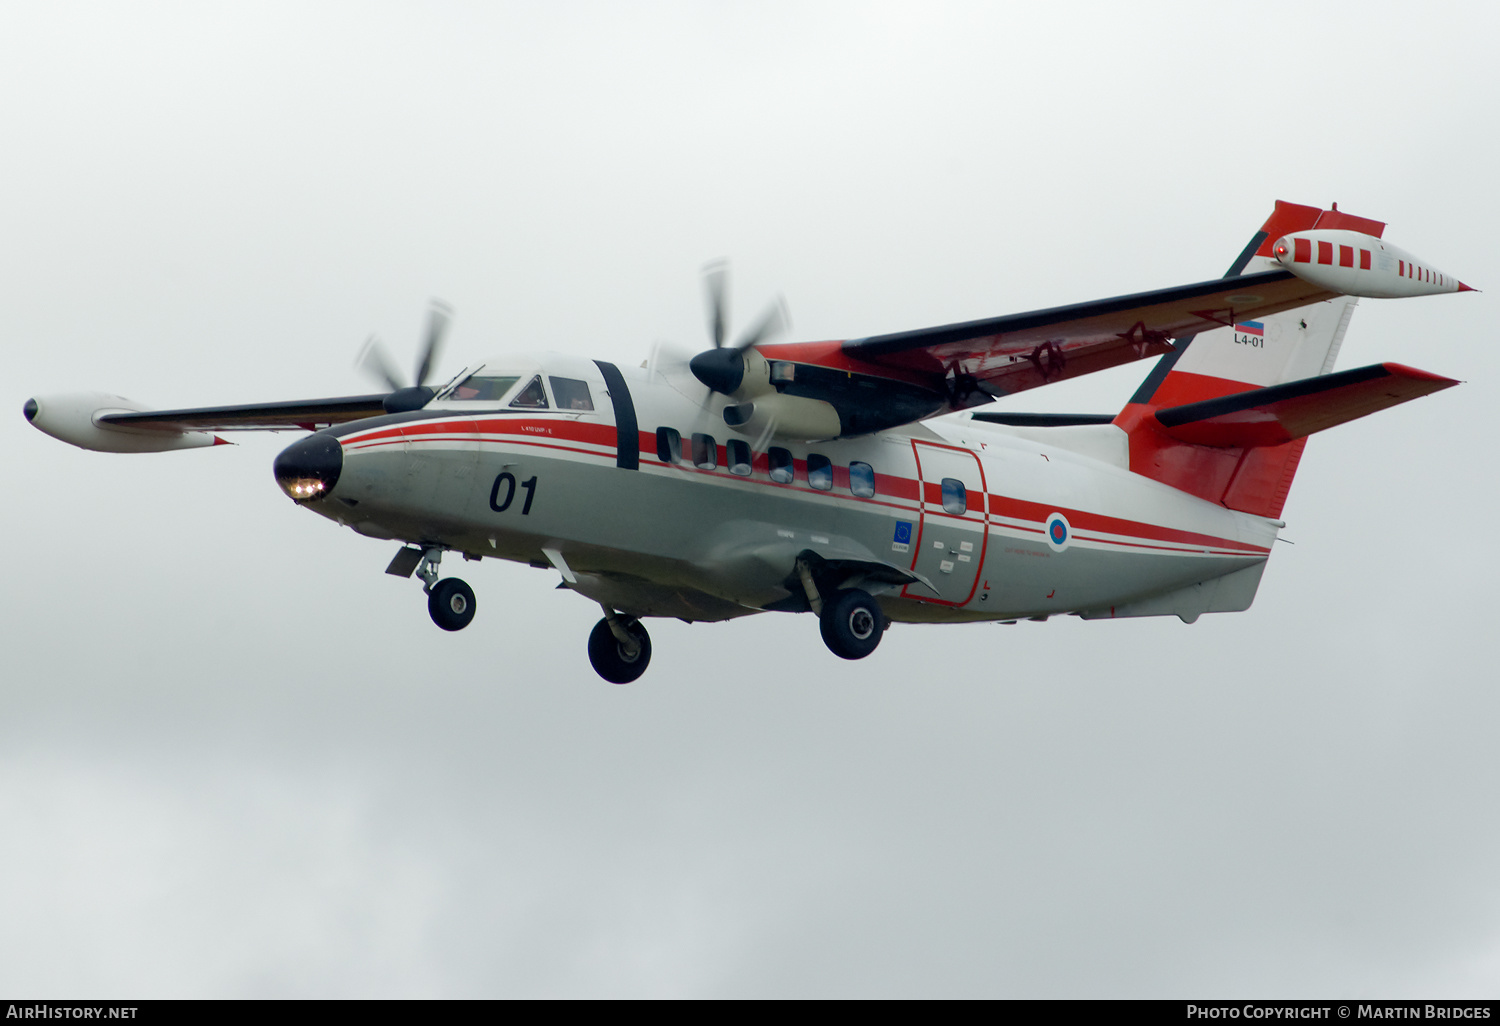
(954, 523)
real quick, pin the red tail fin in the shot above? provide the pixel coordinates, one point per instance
(1219, 457)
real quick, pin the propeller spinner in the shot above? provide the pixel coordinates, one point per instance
(722, 368)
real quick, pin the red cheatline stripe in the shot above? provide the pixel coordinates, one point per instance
(1022, 509)
(511, 431)
(532, 443)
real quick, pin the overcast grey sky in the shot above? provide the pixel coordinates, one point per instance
(237, 760)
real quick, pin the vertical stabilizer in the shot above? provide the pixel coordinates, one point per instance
(1240, 357)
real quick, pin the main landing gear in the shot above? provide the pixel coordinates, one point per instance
(450, 602)
(850, 619)
(619, 648)
(851, 623)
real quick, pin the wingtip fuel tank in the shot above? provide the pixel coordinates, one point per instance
(1356, 264)
(79, 419)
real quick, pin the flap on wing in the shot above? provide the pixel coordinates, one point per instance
(1281, 413)
(303, 414)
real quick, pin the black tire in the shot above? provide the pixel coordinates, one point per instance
(608, 657)
(851, 623)
(451, 604)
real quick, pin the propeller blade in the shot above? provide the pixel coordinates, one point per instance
(773, 322)
(432, 346)
(715, 276)
(374, 361)
(767, 433)
(667, 362)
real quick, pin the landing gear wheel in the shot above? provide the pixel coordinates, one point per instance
(451, 604)
(851, 623)
(609, 656)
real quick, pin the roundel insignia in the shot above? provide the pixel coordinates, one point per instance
(1059, 532)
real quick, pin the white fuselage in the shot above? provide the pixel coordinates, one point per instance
(1046, 521)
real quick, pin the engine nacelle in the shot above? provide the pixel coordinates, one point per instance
(75, 418)
(788, 417)
(1356, 264)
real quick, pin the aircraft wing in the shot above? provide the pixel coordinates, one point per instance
(1020, 351)
(301, 414)
(111, 423)
(886, 380)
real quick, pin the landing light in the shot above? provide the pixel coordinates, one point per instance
(304, 488)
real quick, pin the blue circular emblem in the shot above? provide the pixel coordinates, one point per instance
(1059, 532)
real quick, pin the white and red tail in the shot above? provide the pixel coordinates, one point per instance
(1226, 416)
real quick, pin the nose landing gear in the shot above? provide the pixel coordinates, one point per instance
(450, 602)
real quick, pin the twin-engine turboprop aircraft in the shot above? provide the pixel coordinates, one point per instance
(855, 479)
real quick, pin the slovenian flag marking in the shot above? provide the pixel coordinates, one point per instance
(1256, 328)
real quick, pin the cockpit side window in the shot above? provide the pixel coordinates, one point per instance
(532, 397)
(571, 394)
(477, 388)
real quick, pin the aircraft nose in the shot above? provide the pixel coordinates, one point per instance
(309, 469)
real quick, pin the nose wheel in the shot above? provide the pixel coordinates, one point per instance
(619, 648)
(450, 603)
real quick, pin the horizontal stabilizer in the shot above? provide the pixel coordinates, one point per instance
(1282, 413)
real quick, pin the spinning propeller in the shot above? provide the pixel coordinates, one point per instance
(722, 368)
(375, 361)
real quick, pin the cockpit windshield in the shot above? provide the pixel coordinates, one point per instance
(478, 388)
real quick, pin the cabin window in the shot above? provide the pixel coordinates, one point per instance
(572, 394)
(738, 454)
(532, 397)
(862, 480)
(779, 461)
(955, 496)
(705, 452)
(481, 388)
(668, 445)
(819, 472)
